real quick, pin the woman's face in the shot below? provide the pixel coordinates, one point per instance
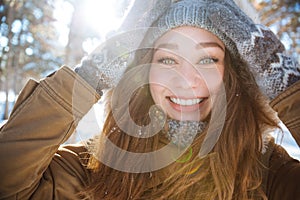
(186, 71)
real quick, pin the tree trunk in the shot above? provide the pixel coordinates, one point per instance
(8, 67)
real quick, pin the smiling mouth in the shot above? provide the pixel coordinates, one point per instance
(186, 102)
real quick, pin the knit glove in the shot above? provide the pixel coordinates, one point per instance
(280, 75)
(273, 69)
(103, 68)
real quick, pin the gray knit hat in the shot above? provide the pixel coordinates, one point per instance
(255, 44)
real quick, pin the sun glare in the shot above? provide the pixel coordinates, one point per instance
(62, 13)
(101, 14)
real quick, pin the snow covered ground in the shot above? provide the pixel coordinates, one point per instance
(288, 142)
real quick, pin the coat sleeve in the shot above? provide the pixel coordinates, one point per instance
(45, 114)
(283, 181)
(287, 105)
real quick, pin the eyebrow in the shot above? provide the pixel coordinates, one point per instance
(167, 46)
(199, 45)
(209, 44)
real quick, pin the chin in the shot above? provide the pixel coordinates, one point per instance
(199, 115)
(188, 118)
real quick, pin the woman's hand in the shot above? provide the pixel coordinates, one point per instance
(280, 75)
(104, 67)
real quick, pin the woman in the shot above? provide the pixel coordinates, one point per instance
(186, 121)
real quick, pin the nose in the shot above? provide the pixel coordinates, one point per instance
(189, 76)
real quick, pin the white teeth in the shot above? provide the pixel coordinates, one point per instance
(186, 102)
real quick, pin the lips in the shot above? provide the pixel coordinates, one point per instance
(186, 102)
(187, 108)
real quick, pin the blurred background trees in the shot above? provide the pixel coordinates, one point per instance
(38, 36)
(283, 17)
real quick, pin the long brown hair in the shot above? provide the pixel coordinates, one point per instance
(233, 170)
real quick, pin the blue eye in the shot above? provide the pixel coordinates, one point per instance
(207, 61)
(167, 61)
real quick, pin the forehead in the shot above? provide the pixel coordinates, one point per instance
(187, 35)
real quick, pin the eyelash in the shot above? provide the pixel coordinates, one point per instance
(164, 59)
(212, 60)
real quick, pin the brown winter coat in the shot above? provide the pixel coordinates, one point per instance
(35, 166)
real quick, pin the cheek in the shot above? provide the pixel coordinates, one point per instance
(156, 83)
(155, 90)
(160, 77)
(213, 78)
